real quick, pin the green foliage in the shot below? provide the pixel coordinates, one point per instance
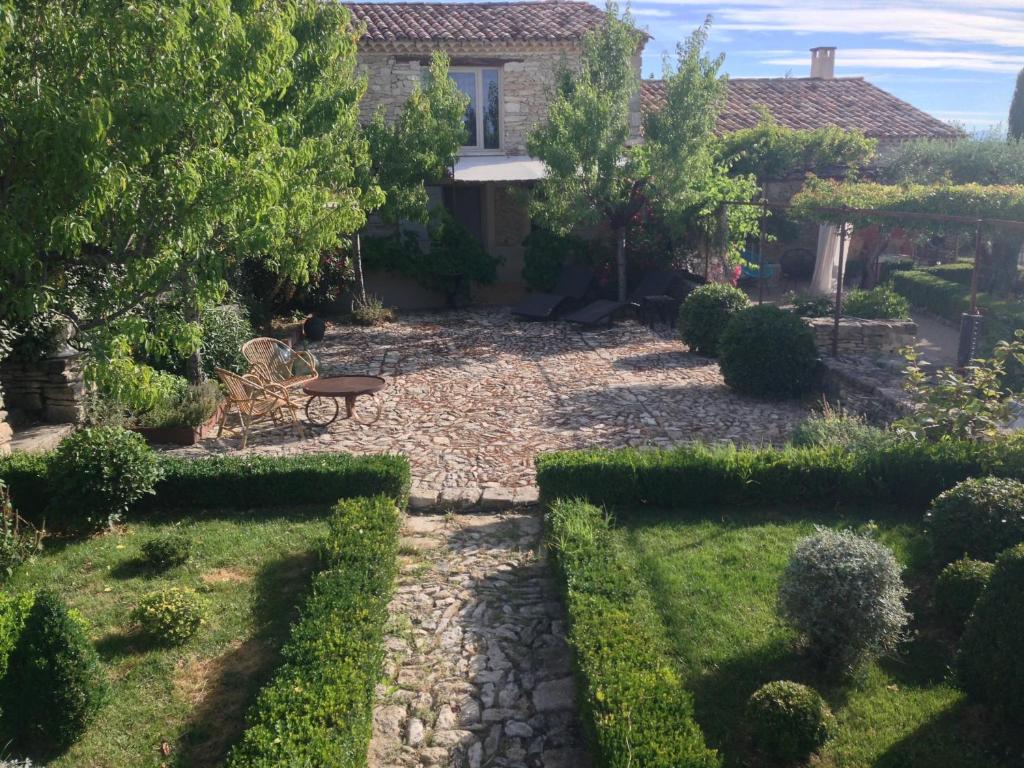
(228, 482)
(167, 551)
(813, 306)
(633, 702)
(832, 429)
(979, 518)
(900, 473)
(844, 595)
(546, 253)
(768, 352)
(318, 709)
(13, 612)
(371, 312)
(974, 404)
(957, 272)
(932, 292)
(879, 303)
(456, 259)
(705, 312)
(169, 616)
(770, 151)
(936, 161)
(188, 406)
(149, 148)
(19, 540)
(1015, 123)
(990, 665)
(419, 145)
(958, 588)
(789, 721)
(54, 685)
(224, 330)
(97, 474)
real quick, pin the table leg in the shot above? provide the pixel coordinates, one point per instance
(350, 405)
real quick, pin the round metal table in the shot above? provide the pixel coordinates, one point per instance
(322, 408)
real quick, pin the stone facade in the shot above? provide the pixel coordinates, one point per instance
(859, 338)
(50, 390)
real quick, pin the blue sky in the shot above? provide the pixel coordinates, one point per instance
(957, 59)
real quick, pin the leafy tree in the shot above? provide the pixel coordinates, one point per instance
(968, 161)
(1016, 120)
(418, 146)
(597, 172)
(147, 147)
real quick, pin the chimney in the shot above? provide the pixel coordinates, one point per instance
(823, 62)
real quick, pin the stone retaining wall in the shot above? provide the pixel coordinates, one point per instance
(858, 338)
(50, 390)
(871, 388)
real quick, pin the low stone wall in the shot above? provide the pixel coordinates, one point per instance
(50, 390)
(872, 388)
(859, 338)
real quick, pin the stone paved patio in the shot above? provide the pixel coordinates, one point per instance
(478, 670)
(473, 396)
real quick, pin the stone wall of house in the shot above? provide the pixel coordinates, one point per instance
(859, 338)
(50, 390)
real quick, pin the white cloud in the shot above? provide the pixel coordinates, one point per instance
(890, 59)
(651, 12)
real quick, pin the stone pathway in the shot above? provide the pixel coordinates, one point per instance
(474, 396)
(478, 669)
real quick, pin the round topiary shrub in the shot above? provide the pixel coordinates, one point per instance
(958, 588)
(990, 660)
(843, 594)
(768, 352)
(978, 518)
(704, 313)
(789, 721)
(54, 685)
(97, 473)
(167, 550)
(170, 616)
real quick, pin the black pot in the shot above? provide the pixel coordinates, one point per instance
(314, 328)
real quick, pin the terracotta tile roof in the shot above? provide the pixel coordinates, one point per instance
(488, 22)
(807, 103)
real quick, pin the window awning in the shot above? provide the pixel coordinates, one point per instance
(481, 168)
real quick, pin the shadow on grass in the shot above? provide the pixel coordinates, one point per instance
(224, 687)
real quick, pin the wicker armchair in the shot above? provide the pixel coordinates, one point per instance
(252, 400)
(283, 365)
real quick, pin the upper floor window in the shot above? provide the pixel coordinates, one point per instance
(483, 115)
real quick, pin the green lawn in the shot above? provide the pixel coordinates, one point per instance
(183, 706)
(714, 581)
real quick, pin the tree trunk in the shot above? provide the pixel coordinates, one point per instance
(620, 258)
(359, 269)
(194, 362)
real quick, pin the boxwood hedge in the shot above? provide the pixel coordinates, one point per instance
(318, 709)
(228, 482)
(903, 473)
(633, 703)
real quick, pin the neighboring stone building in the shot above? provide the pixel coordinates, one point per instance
(505, 56)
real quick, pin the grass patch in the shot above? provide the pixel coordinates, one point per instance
(183, 706)
(714, 583)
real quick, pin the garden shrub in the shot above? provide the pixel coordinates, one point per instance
(902, 473)
(705, 312)
(978, 518)
(941, 297)
(228, 482)
(633, 702)
(169, 616)
(955, 272)
(544, 255)
(843, 594)
(789, 721)
(958, 588)
(813, 306)
(54, 685)
(97, 474)
(990, 664)
(224, 330)
(767, 352)
(13, 612)
(832, 429)
(370, 312)
(880, 303)
(19, 539)
(167, 550)
(318, 709)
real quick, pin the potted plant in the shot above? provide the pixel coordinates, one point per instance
(183, 417)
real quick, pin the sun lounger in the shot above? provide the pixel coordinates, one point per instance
(657, 282)
(572, 288)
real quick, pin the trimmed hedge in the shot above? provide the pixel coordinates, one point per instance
(905, 473)
(232, 482)
(318, 709)
(633, 704)
(928, 291)
(956, 272)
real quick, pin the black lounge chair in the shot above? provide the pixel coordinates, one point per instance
(572, 288)
(657, 282)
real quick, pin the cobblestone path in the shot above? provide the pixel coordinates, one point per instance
(478, 669)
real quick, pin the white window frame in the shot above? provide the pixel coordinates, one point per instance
(478, 149)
